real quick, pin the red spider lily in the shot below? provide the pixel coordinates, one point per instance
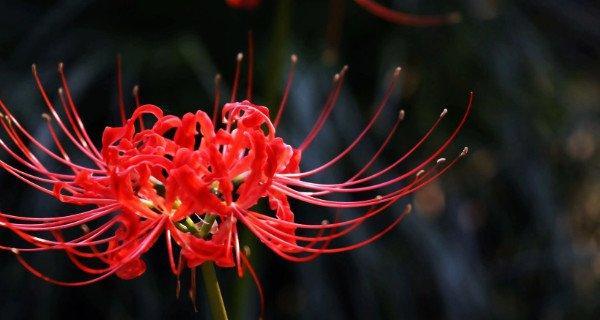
(193, 181)
(408, 19)
(243, 4)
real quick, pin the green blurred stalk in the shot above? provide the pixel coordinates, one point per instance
(277, 52)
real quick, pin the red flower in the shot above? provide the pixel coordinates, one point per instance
(196, 182)
(243, 4)
(382, 12)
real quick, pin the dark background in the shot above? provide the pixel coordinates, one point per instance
(513, 232)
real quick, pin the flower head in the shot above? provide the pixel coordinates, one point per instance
(196, 181)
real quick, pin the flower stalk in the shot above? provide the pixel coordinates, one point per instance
(211, 283)
(213, 291)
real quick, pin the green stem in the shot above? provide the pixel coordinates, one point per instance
(213, 291)
(215, 299)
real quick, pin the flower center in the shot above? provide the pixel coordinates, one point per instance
(189, 170)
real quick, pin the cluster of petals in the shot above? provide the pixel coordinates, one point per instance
(195, 181)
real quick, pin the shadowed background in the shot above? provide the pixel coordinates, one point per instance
(512, 232)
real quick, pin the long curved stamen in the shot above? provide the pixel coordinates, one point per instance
(10, 130)
(433, 156)
(136, 97)
(33, 166)
(286, 91)
(120, 99)
(55, 115)
(73, 114)
(402, 18)
(256, 280)
(272, 241)
(236, 77)
(338, 80)
(57, 143)
(363, 203)
(144, 246)
(382, 147)
(370, 124)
